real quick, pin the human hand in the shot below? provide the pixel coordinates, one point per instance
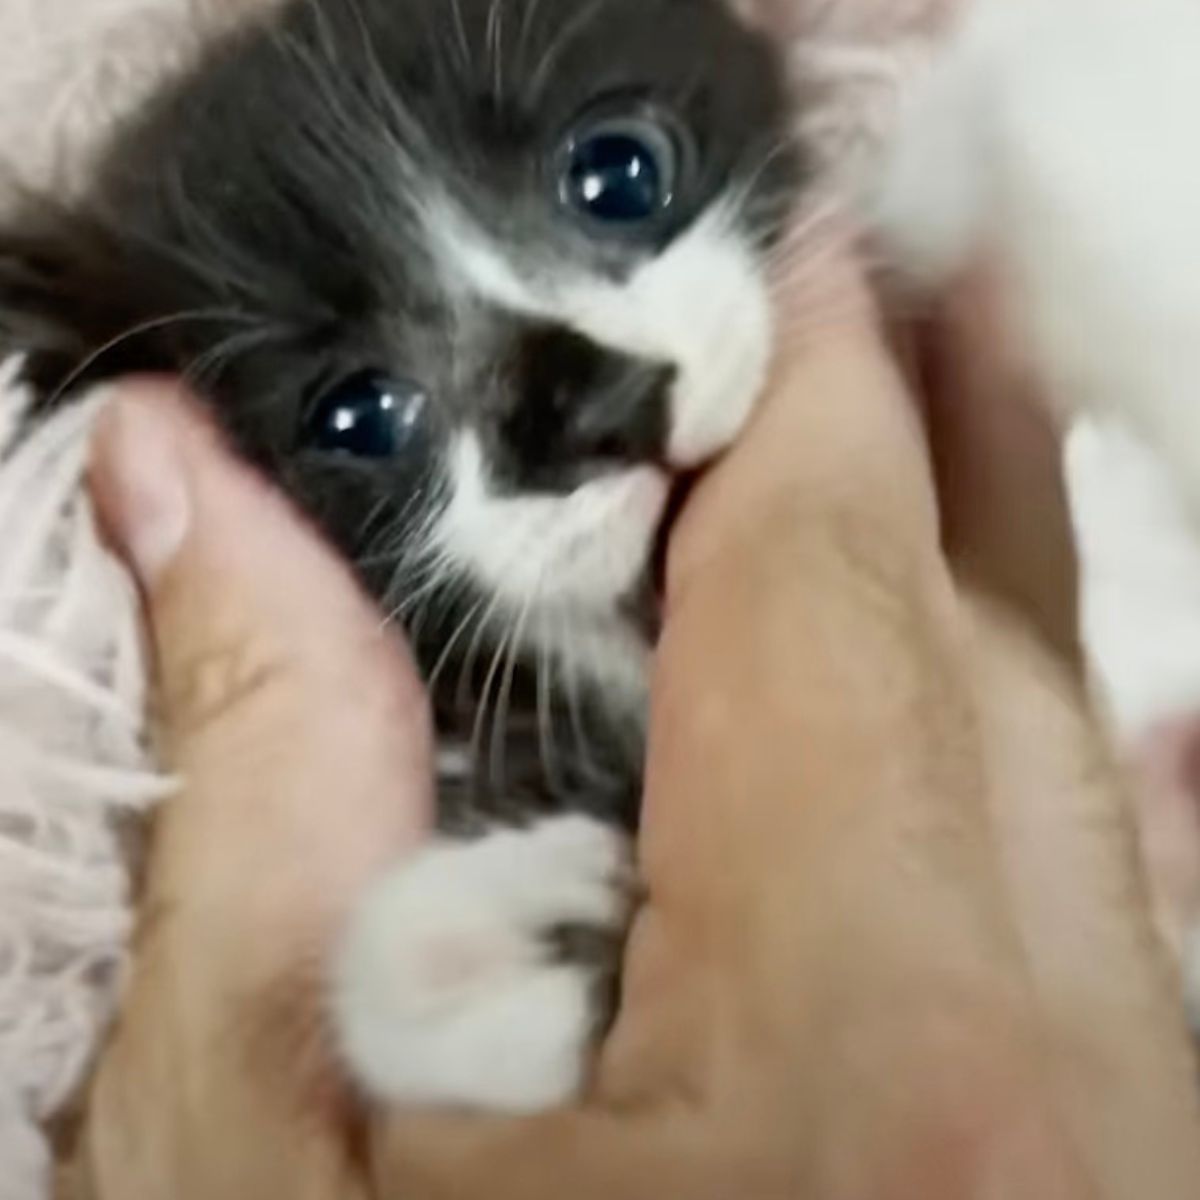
(871, 849)
(299, 728)
(895, 941)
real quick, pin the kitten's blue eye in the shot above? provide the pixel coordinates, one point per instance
(620, 174)
(368, 416)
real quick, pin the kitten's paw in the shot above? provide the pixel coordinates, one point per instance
(449, 987)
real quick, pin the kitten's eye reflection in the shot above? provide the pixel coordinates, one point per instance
(620, 173)
(368, 416)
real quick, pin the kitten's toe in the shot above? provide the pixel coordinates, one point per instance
(578, 871)
(453, 986)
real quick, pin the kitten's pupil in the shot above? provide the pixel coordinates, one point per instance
(615, 179)
(620, 172)
(367, 416)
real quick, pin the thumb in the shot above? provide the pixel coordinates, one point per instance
(237, 592)
(280, 693)
(997, 453)
(587, 1154)
(300, 732)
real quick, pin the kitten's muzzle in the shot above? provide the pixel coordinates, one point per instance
(582, 410)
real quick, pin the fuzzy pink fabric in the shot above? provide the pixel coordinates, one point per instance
(74, 774)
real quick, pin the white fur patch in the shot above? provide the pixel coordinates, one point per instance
(1141, 605)
(446, 990)
(1059, 139)
(584, 549)
(702, 306)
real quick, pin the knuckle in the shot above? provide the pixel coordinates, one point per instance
(206, 686)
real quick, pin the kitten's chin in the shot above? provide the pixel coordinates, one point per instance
(549, 556)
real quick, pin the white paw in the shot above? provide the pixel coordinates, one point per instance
(447, 991)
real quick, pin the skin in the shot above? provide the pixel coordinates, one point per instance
(896, 940)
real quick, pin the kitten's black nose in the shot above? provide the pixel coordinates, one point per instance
(579, 410)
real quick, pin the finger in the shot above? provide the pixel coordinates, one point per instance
(801, 732)
(815, 823)
(1167, 809)
(835, 452)
(998, 455)
(299, 729)
(262, 646)
(1059, 808)
(809, 607)
(1062, 818)
(576, 1154)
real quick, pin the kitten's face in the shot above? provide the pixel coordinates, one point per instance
(477, 278)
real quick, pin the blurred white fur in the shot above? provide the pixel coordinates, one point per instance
(1056, 140)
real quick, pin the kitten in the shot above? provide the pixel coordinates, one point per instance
(479, 283)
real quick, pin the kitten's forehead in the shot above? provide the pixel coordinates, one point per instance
(519, 74)
(323, 134)
(532, 66)
(548, 49)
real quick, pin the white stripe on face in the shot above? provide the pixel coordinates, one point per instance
(700, 306)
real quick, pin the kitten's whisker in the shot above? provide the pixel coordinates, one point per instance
(422, 571)
(440, 665)
(482, 622)
(567, 35)
(210, 363)
(567, 653)
(527, 27)
(435, 581)
(499, 742)
(373, 514)
(495, 44)
(466, 673)
(520, 550)
(143, 327)
(384, 108)
(805, 236)
(385, 92)
(772, 153)
(326, 42)
(801, 275)
(464, 45)
(403, 608)
(425, 572)
(445, 590)
(544, 683)
(481, 712)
